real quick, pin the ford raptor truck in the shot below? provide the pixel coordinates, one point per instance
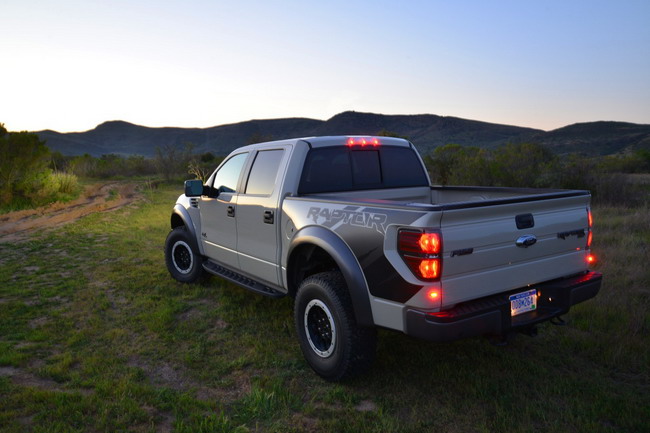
(353, 230)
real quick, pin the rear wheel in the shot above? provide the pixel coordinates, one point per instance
(183, 260)
(331, 341)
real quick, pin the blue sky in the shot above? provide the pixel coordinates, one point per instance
(70, 65)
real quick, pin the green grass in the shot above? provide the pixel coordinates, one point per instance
(96, 336)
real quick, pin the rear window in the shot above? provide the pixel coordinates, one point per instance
(333, 169)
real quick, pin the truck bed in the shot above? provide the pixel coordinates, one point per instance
(437, 198)
(480, 228)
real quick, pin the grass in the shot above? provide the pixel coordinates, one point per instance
(96, 336)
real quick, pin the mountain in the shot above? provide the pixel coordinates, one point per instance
(426, 131)
(597, 138)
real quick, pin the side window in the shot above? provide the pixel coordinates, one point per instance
(228, 175)
(264, 171)
(326, 170)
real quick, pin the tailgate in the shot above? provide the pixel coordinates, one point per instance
(481, 256)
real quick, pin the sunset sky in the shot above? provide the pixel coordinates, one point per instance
(70, 65)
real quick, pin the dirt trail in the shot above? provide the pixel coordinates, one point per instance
(96, 198)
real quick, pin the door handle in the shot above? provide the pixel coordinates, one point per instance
(231, 211)
(268, 217)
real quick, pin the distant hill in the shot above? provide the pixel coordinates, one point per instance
(597, 138)
(426, 131)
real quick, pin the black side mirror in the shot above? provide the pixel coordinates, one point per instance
(193, 188)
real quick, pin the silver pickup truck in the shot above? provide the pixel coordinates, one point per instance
(352, 229)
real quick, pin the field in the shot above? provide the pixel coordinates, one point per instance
(95, 336)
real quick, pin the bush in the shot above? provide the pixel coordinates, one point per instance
(24, 161)
(532, 165)
(65, 183)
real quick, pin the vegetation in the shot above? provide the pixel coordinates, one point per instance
(26, 178)
(170, 163)
(533, 165)
(95, 336)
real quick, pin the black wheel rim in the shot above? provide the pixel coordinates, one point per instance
(182, 257)
(320, 328)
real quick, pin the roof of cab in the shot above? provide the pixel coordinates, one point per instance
(355, 141)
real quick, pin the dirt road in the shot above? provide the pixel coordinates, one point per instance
(99, 197)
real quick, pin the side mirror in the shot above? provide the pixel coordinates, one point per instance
(193, 188)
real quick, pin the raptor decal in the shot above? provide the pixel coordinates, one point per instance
(333, 218)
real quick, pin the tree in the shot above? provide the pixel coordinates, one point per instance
(172, 161)
(24, 161)
(455, 164)
(523, 165)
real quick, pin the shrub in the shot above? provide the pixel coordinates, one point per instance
(24, 163)
(532, 165)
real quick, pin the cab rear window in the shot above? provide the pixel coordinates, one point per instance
(332, 169)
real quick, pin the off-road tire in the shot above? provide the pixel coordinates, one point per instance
(182, 256)
(334, 346)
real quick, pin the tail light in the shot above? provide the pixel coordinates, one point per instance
(422, 253)
(590, 221)
(591, 259)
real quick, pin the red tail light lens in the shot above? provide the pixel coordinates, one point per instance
(421, 251)
(420, 243)
(430, 269)
(430, 243)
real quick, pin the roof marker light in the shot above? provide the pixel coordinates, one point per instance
(359, 141)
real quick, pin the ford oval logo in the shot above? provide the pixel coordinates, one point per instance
(526, 241)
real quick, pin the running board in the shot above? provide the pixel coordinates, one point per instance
(241, 280)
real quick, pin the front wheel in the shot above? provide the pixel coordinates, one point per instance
(183, 260)
(333, 344)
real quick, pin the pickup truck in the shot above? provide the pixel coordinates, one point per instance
(352, 229)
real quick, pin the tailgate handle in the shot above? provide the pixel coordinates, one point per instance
(526, 241)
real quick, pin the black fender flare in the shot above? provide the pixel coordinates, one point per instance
(185, 217)
(346, 261)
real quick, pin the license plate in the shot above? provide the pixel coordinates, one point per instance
(523, 302)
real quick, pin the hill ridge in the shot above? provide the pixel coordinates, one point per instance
(426, 131)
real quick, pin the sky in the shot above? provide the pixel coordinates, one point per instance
(71, 65)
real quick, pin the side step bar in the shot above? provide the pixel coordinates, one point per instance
(241, 280)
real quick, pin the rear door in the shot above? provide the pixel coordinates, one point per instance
(495, 248)
(258, 225)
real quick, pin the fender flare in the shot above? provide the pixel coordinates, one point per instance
(346, 261)
(185, 217)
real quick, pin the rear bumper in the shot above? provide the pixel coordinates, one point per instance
(491, 315)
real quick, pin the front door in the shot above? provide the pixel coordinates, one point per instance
(218, 214)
